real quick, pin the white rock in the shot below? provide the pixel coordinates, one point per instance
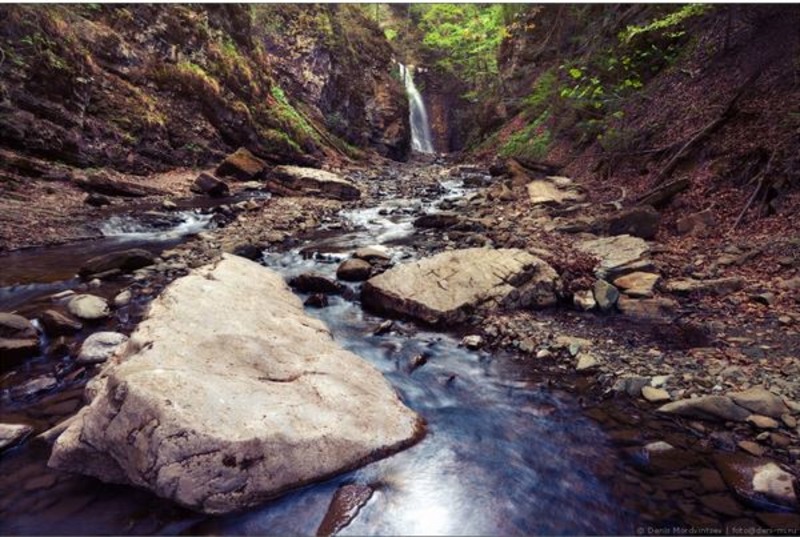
(100, 346)
(122, 299)
(11, 434)
(88, 307)
(586, 362)
(221, 412)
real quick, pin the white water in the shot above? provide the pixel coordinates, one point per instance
(420, 128)
(131, 228)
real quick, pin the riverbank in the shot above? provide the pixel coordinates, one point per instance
(700, 351)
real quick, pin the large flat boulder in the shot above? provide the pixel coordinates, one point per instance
(220, 411)
(614, 253)
(549, 192)
(448, 287)
(299, 181)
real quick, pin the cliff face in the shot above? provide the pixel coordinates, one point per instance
(144, 88)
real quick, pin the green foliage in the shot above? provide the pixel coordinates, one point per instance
(290, 120)
(532, 141)
(464, 38)
(390, 33)
(671, 21)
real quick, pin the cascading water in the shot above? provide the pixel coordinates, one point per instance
(420, 128)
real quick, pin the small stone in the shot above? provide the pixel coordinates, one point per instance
(637, 284)
(100, 346)
(372, 254)
(584, 300)
(472, 342)
(88, 307)
(56, 323)
(12, 434)
(543, 353)
(384, 328)
(586, 362)
(760, 401)
(762, 422)
(789, 420)
(605, 295)
(659, 380)
(169, 205)
(123, 299)
(658, 447)
(354, 270)
(655, 395)
(766, 299)
(752, 447)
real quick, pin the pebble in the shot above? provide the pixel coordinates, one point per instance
(751, 447)
(762, 422)
(655, 395)
(586, 362)
(123, 299)
(472, 341)
(789, 421)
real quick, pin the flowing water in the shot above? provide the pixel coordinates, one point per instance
(421, 139)
(503, 455)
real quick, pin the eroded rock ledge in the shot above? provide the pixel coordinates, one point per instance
(227, 394)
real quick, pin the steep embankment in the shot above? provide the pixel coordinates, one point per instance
(629, 98)
(144, 88)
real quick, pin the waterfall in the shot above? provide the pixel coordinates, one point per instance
(420, 129)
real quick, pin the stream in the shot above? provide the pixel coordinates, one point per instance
(503, 455)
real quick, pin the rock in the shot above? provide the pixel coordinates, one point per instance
(631, 385)
(753, 448)
(543, 192)
(345, 505)
(317, 300)
(718, 287)
(640, 221)
(722, 504)
(56, 323)
(767, 299)
(14, 351)
(169, 205)
(472, 341)
(711, 480)
(789, 421)
(652, 309)
(125, 261)
(655, 395)
(573, 344)
(88, 307)
(316, 282)
(123, 298)
(757, 481)
(708, 407)
(221, 416)
(102, 183)
(241, 165)
(605, 295)
(354, 270)
(297, 181)
(13, 434)
(210, 185)
(373, 254)
(584, 300)
(450, 286)
(614, 252)
(658, 447)
(637, 284)
(697, 223)
(34, 386)
(13, 326)
(437, 220)
(100, 346)
(586, 362)
(760, 401)
(96, 200)
(762, 422)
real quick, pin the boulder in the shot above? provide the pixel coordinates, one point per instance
(354, 270)
(757, 481)
(125, 261)
(544, 192)
(760, 401)
(219, 416)
(12, 434)
(373, 254)
(315, 282)
(637, 284)
(648, 309)
(18, 340)
(210, 185)
(56, 323)
(437, 220)
(641, 221)
(100, 346)
(105, 185)
(718, 287)
(605, 294)
(614, 252)
(450, 286)
(298, 181)
(88, 307)
(707, 407)
(241, 165)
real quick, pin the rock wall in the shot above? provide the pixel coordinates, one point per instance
(143, 88)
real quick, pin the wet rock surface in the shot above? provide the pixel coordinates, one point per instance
(297, 181)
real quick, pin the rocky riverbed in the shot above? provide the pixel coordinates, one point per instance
(684, 360)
